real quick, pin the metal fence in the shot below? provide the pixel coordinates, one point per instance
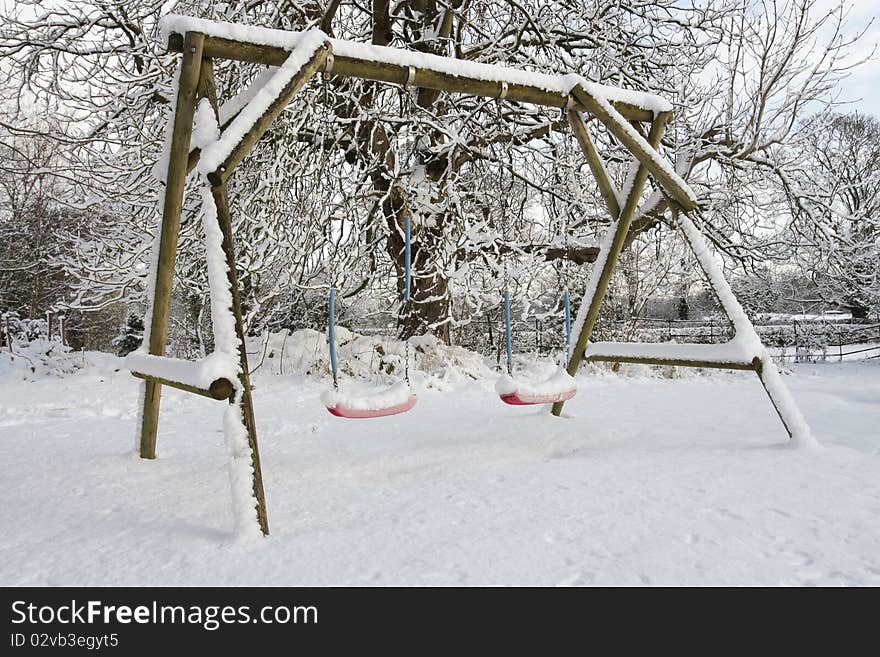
(798, 340)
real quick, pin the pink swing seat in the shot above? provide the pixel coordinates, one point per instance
(559, 387)
(391, 401)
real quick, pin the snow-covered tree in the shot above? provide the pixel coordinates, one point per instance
(130, 337)
(321, 199)
(835, 197)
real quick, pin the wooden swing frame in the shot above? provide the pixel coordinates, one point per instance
(198, 50)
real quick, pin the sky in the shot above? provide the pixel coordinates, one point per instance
(863, 85)
(861, 88)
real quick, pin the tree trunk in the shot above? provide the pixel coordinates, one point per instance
(429, 310)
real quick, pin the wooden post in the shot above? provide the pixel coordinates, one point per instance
(759, 370)
(174, 184)
(245, 400)
(623, 223)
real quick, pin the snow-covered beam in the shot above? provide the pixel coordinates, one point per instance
(219, 159)
(221, 389)
(211, 377)
(453, 77)
(615, 108)
(733, 355)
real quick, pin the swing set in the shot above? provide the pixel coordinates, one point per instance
(637, 121)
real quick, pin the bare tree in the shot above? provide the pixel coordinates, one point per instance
(835, 201)
(322, 200)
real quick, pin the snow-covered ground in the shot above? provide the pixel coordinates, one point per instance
(648, 481)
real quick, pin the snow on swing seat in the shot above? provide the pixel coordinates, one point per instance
(398, 398)
(558, 387)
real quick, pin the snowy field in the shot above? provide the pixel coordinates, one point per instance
(649, 481)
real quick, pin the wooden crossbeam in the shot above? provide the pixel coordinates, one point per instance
(351, 67)
(755, 365)
(220, 389)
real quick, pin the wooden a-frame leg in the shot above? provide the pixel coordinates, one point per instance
(766, 369)
(244, 399)
(174, 184)
(611, 257)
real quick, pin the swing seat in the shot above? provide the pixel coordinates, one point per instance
(559, 387)
(381, 403)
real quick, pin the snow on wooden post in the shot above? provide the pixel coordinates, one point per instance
(747, 336)
(224, 220)
(219, 389)
(170, 227)
(392, 65)
(244, 399)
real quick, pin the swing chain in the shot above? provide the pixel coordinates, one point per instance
(331, 337)
(505, 236)
(563, 227)
(407, 292)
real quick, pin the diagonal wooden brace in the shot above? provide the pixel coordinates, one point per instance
(647, 157)
(597, 167)
(610, 258)
(262, 124)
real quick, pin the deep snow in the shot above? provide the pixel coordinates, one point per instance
(649, 481)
